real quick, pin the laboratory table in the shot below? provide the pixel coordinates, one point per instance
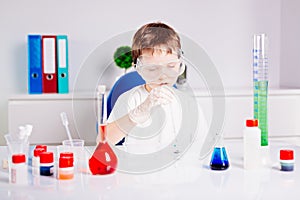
(187, 178)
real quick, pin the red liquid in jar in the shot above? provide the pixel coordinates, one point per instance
(104, 160)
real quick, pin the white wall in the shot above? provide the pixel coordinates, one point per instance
(223, 28)
(290, 44)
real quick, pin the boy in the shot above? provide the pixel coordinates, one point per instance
(150, 115)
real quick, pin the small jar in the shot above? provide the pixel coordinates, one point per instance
(36, 161)
(66, 166)
(19, 169)
(287, 159)
(46, 163)
(31, 157)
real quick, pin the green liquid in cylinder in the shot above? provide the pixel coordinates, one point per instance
(261, 109)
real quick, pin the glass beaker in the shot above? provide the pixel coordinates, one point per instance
(76, 146)
(15, 146)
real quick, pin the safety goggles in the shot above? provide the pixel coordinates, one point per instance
(151, 71)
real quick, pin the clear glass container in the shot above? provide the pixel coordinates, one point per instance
(260, 84)
(104, 160)
(219, 159)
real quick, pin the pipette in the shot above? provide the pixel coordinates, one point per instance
(65, 122)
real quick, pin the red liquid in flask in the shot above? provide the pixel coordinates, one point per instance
(104, 160)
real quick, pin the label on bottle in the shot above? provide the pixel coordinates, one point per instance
(13, 175)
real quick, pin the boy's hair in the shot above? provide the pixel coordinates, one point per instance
(155, 36)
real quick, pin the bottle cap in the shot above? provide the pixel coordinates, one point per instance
(41, 146)
(286, 154)
(18, 158)
(66, 154)
(46, 157)
(251, 122)
(38, 151)
(66, 160)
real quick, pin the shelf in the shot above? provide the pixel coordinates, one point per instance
(198, 92)
(240, 92)
(70, 96)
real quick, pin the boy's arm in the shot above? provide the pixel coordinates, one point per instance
(118, 129)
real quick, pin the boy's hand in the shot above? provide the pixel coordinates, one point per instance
(158, 96)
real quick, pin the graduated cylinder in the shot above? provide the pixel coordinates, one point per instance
(260, 84)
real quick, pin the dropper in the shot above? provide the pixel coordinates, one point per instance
(65, 122)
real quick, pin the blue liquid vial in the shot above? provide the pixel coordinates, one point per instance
(219, 160)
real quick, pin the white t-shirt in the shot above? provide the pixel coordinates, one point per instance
(164, 126)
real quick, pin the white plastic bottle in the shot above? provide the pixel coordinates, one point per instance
(252, 145)
(19, 169)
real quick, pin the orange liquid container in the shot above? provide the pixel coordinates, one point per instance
(66, 166)
(104, 160)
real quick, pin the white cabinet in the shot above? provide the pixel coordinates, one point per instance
(43, 112)
(283, 111)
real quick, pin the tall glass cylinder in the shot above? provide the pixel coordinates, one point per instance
(260, 84)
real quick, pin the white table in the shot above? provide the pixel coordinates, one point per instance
(188, 178)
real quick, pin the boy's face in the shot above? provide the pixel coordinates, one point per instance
(159, 67)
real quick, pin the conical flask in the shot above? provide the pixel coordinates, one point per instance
(219, 159)
(104, 160)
